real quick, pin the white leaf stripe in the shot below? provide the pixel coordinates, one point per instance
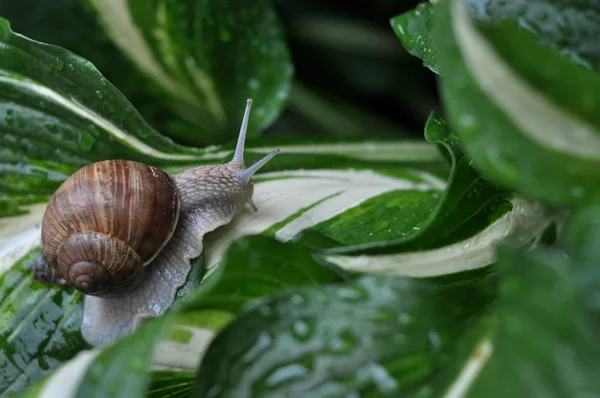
(65, 380)
(177, 356)
(536, 116)
(526, 221)
(395, 151)
(471, 370)
(11, 227)
(39, 91)
(119, 26)
(278, 199)
(15, 248)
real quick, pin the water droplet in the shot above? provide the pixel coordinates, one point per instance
(94, 130)
(341, 343)
(301, 330)
(224, 34)
(42, 105)
(379, 375)
(99, 94)
(297, 299)
(286, 373)
(253, 84)
(467, 121)
(264, 342)
(434, 340)
(265, 310)
(71, 67)
(321, 298)
(214, 391)
(85, 141)
(351, 294)
(103, 82)
(51, 127)
(404, 318)
(60, 64)
(577, 192)
(9, 120)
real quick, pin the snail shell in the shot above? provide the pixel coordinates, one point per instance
(106, 222)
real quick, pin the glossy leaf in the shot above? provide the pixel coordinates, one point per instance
(413, 28)
(375, 336)
(207, 57)
(467, 222)
(545, 342)
(39, 326)
(171, 384)
(531, 131)
(58, 113)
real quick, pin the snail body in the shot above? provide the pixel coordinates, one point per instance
(124, 233)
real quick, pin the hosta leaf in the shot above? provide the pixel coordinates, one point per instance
(58, 113)
(171, 384)
(375, 336)
(569, 26)
(463, 229)
(192, 325)
(283, 206)
(413, 28)
(207, 56)
(527, 128)
(545, 342)
(39, 326)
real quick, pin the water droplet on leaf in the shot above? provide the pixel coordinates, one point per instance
(60, 64)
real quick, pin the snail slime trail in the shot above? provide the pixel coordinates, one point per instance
(130, 268)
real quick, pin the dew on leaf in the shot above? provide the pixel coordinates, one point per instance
(297, 299)
(342, 343)
(379, 375)
(85, 141)
(71, 67)
(99, 94)
(214, 391)
(351, 294)
(286, 373)
(434, 340)
(224, 34)
(253, 84)
(264, 342)
(404, 318)
(301, 330)
(60, 64)
(103, 82)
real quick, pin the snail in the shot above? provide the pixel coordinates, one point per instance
(124, 233)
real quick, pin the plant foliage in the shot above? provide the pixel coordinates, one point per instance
(459, 263)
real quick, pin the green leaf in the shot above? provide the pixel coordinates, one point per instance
(39, 326)
(58, 113)
(581, 240)
(207, 57)
(375, 336)
(545, 343)
(529, 129)
(467, 222)
(171, 384)
(122, 369)
(413, 28)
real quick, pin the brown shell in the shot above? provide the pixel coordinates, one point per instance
(117, 214)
